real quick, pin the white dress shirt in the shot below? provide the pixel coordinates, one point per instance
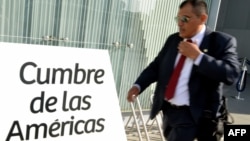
(181, 96)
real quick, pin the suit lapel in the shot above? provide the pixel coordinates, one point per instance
(205, 42)
(204, 47)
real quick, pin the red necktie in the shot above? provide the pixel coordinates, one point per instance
(175, 76)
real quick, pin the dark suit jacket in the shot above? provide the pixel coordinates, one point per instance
(219, 65)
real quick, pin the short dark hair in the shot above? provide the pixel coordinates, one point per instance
(200, 6)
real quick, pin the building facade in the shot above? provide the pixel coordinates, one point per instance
(234, 18)
(133, 31)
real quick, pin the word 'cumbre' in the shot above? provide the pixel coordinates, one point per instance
(52, 75)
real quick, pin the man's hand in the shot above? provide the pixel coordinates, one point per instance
(132, 94)
(190, 50)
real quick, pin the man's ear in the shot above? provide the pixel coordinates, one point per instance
(204, 18)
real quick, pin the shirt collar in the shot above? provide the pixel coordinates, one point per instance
(199, 36)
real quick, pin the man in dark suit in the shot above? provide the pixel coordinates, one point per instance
(211, 61)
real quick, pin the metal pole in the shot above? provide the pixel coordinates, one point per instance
(137, 125)
(143, 122)
(241, 84)
(213, 14)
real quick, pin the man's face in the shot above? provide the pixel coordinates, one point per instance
(188, 22)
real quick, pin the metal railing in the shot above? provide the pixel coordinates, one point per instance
(138, 116)
(139, 122)
(241, 83)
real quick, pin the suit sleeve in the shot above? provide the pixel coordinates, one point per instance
(222, 65)
(151, 73)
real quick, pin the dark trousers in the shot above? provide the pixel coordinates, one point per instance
(178, 125)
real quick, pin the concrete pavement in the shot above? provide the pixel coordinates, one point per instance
(240, 109)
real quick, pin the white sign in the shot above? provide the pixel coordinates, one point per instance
(52, 93)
